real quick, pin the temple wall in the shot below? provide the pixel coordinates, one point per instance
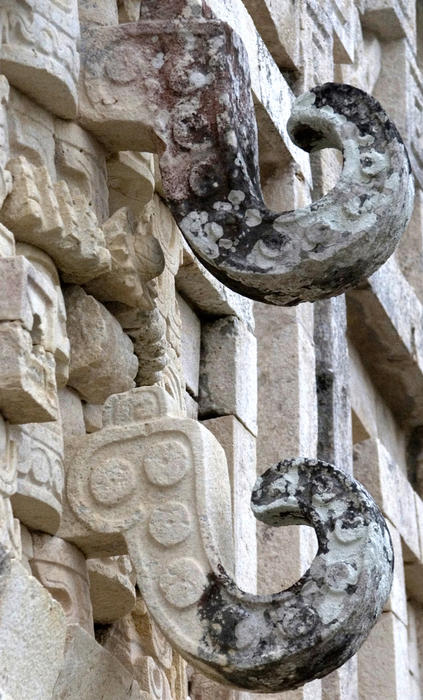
(100, 294)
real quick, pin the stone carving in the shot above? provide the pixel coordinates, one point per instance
(102, 363)
(48, 216)
(62, 569)
(136, 259)
(162, 482)
(112, 587)
(39, 53)
(131, 180)
(28, 391)
(209, 166)
(5, 176)
(38, 500)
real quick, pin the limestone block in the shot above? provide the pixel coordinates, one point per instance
(150, 636)
(10, 535)
(71, 412)
(129, 10)
(62, 569)
(410, 249)
(365, 70)
(91, 672)
(278, 25)
(389, 676)
(240, 450)
(32, 639)
(191, 406)
(102, 359)
(8, 468)
(207, 294)
(31, 132)
(7, 242)
(27, 548)
(5, 176)
(392, 491)
(136, 260)
(130, 179)
(91, 12)
(343, 683)
(191, 341)
(27, 377)
(48, 217)
(38, 500)
(46, 70)
(397, 601)
(51, 323)
(111, 587)
(93, 417)
(81, 161)
(228, 379)
(389, 19)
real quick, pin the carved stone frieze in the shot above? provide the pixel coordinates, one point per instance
(38, 52)
(47, 215)
(163, 483)
(209, 164)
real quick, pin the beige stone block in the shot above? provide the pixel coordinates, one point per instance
(382, 671)
(62, 569)
(27, 377)
(397, 601)
(47, 71)
(32, 638)
(278, 25)
(91, 13)
(93, 417)
(191, 342)
(102, 359)
(191, 406)
(38, 500)
(136, 258)
(111, 587)
(389, 19)
(91, 672)
(129, 10)
(240, 450)
(5, 175)
(151, 639)
(206, 294)
(81, 161)
(392, 491)
(71, 412)
(130, 179)
(31, 132)
(342, 684)
(228, 371)
(27, 548)
(48, 216)
(8, 467)
(7, 242)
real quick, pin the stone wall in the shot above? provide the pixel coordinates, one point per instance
(100, 294)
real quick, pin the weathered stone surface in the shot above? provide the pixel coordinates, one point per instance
(136, 260)
(33, 635)
(93, 417)
(62, 569)
(191, 341)
(376, 469)
(49, 217)
(91, 672)
(228, 380)
(71, 412)
(46, 70)
(38, 500)
(111, 587)
(5, 176)
(130, 180)
(389, 677)
(102, 359)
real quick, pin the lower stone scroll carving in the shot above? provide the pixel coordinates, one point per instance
(161, 480)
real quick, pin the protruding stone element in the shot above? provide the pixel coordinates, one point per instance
(111, 587)
(46, 70)
(92, 672)
(209, 164)
(130, 475)
(8, 469)
(152, 639)
(31, 132)
(38, 500)
(136, 259)
(33, 635)
(131, 180)
(5, 175)
(102, 359)
(48, 217)
(27, 365)
(62, 569)
(81, 161)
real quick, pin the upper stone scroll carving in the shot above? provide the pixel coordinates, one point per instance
(181, 86)
(162, 481)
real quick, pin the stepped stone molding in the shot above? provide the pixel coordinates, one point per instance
(185, 83)
(162, 482)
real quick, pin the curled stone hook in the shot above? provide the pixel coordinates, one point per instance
(161, 480)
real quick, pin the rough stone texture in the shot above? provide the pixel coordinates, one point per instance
(111, 587)
(102, 360)
(228, 353)
(191, 340)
